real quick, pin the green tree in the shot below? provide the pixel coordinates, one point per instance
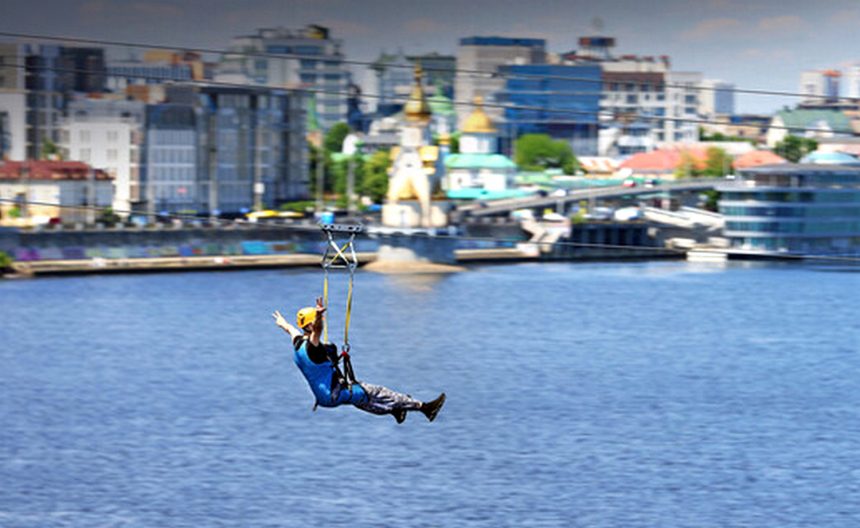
(719, 136)
(453, 142)
(316, 155)
(340, 173)
(793, 148)
(50, 150)
(712, 199)
(688, 166)
(5, 262)
(333, 141)
(718, 162)
(108, 217)
(539, 152)
(375, 176)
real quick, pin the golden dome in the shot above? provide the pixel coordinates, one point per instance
(478, 121)
(416, 108)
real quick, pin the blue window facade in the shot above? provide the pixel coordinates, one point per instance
(562, 101)
(801, 209)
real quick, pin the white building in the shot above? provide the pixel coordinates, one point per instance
(636, 88)
(37, 191)
(819, 86)
(682, 102)
(716, 98)
(852, 81)
(13, 125)
(107, 134)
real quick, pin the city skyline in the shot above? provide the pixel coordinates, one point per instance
(754, 44)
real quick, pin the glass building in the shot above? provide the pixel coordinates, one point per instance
(806, 208)
(555, 99)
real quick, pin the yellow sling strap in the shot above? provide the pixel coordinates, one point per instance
(340, 256)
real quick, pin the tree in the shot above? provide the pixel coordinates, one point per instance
(719, 136)
(375, 176)
(539, 152)
(315, 154)
(333, 141)
(688, 166)
(50, 150)
(340, 173)
(718, 162)
(108, 217)
(793, 148)
(5, 262)
(712, 199)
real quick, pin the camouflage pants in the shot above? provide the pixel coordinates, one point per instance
(382, 400)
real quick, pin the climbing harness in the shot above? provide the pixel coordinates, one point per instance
(341, 255)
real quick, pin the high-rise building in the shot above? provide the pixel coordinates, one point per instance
(394, 78)
(478, 61)
(202, 148)
(47, 75)
(440, 70)
(393, 82)
(82, 69)
(643, 89)
(561, 100)
(716, 98)
(13, 125)
(252, 143)
(312, 59)
(852, 81)
(156, 67)
(820, 86)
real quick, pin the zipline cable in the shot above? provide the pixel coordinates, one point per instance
(323, 58)
(403, 99)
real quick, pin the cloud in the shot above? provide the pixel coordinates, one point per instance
(423, 25)
(846, 17)
(713, 27)
(347, 28)
(779, 24)
(767, 55)
(130, 12)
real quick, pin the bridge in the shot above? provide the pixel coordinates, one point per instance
(562, 203)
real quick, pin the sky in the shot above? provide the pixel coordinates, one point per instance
(755, 44)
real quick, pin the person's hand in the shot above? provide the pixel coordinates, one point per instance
(320, 308)
(279, 319)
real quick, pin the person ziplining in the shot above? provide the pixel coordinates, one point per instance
(319, 361)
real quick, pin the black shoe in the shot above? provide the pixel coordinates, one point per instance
(431, 408)
(400, 415)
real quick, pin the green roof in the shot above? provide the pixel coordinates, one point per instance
(479, 161)
(440, 104)
(836, 120)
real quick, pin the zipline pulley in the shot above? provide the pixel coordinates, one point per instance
(341, 255)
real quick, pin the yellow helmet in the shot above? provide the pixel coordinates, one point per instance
(306, 316)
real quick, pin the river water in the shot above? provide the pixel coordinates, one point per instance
(594, 395)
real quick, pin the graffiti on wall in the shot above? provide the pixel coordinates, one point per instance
(193, 249)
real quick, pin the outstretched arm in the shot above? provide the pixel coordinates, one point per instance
(316, 331)
(285, 326)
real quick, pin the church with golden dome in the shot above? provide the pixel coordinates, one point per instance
(478, 169)
(413, 173)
